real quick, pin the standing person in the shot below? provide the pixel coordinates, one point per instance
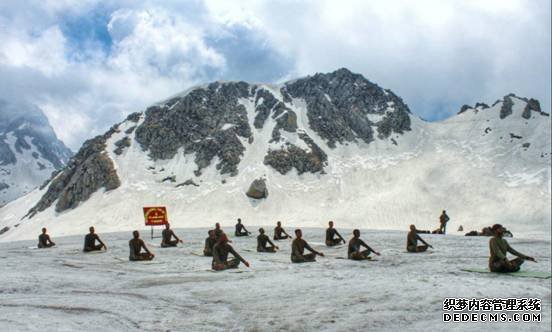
(443, 220)
(278, 230)
(90, 241)
(241, 230)
(210, 242)
(499, 249)
(262, 241)
(298, 247)
(167, 236)
(412, 241)
(331, 234)
(353, 252)
(44, 240)
(220, 256)
(136, 245)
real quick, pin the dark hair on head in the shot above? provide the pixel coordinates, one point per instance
(298, 230)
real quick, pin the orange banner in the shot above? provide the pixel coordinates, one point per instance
(155, 216)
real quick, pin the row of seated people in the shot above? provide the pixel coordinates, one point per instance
(217, 246)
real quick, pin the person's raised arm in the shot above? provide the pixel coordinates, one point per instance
(422, 240)
(238, 256)
(272, 243)
(143, 245)
(176, 237)
(101, 242)
(48, 240)
(362, 243)
(309, 248)
(341, 237)
(518, 254)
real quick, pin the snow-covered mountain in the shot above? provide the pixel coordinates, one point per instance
(331, 146)
(29, 149)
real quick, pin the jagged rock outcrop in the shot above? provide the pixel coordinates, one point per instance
(121, 145)
(506, 108)
(285, 159)
(88, 171)
(188, 182)
(196, 123)
(339, 105)
(257, 189)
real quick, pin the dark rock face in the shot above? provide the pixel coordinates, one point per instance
(532, 105)
(6, 154)
(121, 145)
(257, 189)
(338, 104)
(188, 182)
(196, 123)
(88, 171)
(4, 186)
(481, 105)
(169, 178)
(506, 108)
(464, 108)
(130, 130)
(4, 230)
(285, 159)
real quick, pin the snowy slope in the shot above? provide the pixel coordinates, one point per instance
(178, 292)
(29, 150)
(479, 176)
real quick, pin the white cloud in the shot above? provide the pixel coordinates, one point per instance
(437, 55)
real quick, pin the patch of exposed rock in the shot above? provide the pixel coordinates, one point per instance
(257, 189)
(88, 171)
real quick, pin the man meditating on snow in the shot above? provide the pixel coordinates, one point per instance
(90, 241)
(136, 245)
(262, 241)
(220, 255)
(298, 246)
(241, 230)
(412, 241)
(331, 234)
(210, 242)
(498, 262)
(167, 236)
(44, 240)
(354, 248)
(278, 230)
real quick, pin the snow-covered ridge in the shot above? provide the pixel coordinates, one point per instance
(29, 150)
(356, 155)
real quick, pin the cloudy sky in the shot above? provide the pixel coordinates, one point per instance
(89, 63)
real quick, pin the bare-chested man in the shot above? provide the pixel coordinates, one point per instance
(167, 236)
(136, 245)
(331, 234)
(355, 244)
(298, 246)
(412, 241)
(278, 231)
(90, 241)
(44, 240)
(263, 240)
(220, 255)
